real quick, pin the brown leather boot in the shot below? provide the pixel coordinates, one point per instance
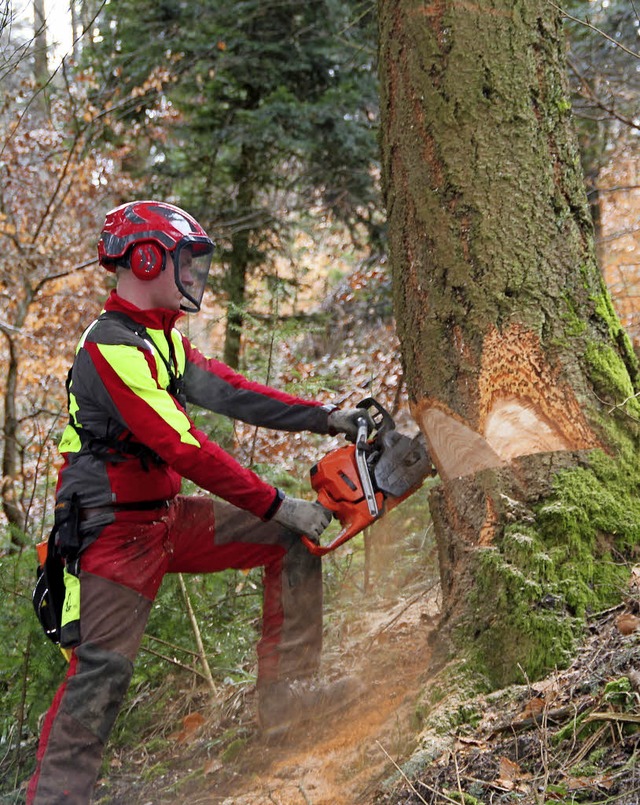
(288, 704)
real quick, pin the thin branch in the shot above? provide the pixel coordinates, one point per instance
(629, 718)
(49, 81)
(51, 277)
(412, 787)
(624, 402)
(173, 661)
(616, 189)
(172, 645)
(593, 97)
(594, 28)
(196, 631)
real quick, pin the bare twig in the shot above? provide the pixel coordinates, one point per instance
(407, 606)
(587, 746)
(173, 661)
(455, 761)
(591, 94)
(615, 717)
(196, 631)
(304, 795)
(410, 784)
(624, 402)
(23, 699)
(172, 645)
(594, 28)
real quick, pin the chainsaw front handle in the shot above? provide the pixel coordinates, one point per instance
(381, 418)
(344, 482)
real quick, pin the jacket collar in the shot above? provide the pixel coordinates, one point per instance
(158, 318)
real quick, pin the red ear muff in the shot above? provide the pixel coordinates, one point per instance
(146, 260)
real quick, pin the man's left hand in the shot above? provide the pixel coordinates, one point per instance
(347, 422)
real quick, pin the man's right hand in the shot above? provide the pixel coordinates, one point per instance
(303, 516)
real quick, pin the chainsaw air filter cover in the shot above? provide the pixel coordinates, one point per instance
(403, 464)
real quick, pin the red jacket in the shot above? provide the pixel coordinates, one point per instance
(130, 438)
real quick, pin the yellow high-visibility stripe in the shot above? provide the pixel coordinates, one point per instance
(70, 440)
(159, 343)
(178, 347)
(71, 606)
(131, 367)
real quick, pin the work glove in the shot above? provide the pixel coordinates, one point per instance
(303, 516)
(347, 422)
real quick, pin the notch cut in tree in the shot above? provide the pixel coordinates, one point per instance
(516, 364)
(522, 409)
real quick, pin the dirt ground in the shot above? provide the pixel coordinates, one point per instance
(220, 758)
(340, 761)
(573, 737)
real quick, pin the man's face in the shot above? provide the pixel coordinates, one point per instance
(163, 289)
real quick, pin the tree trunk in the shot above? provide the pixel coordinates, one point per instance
(236, 275)
(11, 502)
(40, 66)
(10, 454)
(514, 358)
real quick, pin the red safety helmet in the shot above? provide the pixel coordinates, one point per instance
(138, 236)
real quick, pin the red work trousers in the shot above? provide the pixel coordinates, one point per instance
(120, 574)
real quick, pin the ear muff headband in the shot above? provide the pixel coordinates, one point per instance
(147, 260)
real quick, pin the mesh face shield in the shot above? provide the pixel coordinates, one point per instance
(191, 263)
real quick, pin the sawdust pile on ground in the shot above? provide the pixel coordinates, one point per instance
(336, 762)
(219, 756)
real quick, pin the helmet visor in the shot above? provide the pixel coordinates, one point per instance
(192, 261)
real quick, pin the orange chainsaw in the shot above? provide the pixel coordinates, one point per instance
(362, 481)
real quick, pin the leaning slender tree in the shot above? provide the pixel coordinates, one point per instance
(520, 375)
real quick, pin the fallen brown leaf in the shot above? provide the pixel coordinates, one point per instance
(508, 770)
(627, 623)
(212, 766)
(190, 725)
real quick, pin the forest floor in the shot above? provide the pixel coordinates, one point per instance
(332, 761)
(380, 614)
(573, 737)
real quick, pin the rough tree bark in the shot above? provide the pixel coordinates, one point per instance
(238, 269)
(40, 48)
(518, 369)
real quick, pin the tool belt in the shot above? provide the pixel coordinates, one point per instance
(56, 595)
(142, 506)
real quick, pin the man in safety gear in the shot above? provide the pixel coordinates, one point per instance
(121, 521)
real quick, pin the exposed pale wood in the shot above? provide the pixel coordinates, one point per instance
(455, 448)
(522, 398)
(515, 428)
(523, 408)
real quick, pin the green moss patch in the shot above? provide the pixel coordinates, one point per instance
(564, 559)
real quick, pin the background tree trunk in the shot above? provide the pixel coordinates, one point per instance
(10, 495)
(40, 65)
(235, 280)
(514, 357)
(10, 453)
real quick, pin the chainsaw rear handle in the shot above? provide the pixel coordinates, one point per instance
(360, 520)
(320, 550)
